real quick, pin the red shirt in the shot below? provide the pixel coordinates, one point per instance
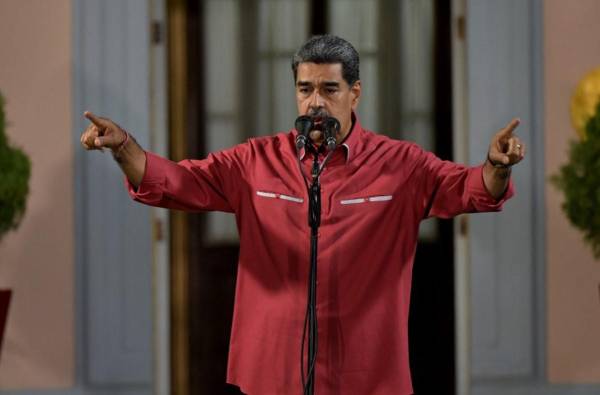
(375, 192)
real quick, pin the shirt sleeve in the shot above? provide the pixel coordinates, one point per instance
(192, 185)
(451, 189)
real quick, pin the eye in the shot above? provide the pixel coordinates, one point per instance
(330, 91)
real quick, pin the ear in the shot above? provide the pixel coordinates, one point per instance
(355, 91)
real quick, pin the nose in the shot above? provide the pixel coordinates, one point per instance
(316, 100)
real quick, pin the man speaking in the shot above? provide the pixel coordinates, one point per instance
(321, 305)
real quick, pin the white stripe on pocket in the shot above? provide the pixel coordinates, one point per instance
(353, 201)
(279, 196)
(266, 194)
(291, 198)
(378, 198)
(381, 198)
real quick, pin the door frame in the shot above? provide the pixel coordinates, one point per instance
(460, 136)
(177, 59)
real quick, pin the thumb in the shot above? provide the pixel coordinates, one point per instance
(108, 141)
(499, 157)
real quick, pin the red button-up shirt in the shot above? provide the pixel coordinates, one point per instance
(375, 192)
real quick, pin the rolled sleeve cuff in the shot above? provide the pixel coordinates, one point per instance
(150, 190)
(480, 197)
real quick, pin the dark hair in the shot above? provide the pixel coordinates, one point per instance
(329, 49)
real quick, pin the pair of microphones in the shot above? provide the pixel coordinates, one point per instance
(305, 123)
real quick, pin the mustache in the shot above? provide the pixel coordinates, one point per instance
(319, 114)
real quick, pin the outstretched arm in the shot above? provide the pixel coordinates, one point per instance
(506, 150)
(104, 133)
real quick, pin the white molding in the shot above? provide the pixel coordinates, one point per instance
(159, 143)
(460, 136)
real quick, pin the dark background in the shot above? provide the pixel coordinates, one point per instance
(212, 269)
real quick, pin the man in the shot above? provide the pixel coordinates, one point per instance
(374, 193)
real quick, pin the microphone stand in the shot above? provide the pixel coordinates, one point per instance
(314, 221)
(304, 125)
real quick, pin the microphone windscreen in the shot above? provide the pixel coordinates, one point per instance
(303, 124)
(332, 125)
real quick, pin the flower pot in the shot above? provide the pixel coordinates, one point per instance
(5, 295)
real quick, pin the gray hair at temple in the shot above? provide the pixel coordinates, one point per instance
(328, 49)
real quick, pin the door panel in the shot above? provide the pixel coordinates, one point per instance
(114, 241)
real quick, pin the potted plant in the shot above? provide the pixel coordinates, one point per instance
(15, 169)
(579, 178)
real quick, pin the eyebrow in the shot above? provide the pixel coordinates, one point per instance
(326, 83)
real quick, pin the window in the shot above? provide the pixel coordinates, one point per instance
(248, 81)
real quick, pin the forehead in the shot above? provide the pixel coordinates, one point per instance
(315, 73)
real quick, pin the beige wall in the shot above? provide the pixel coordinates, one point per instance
(37, 260)
(572, 48)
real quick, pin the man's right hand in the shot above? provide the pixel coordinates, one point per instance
(104, 133)
(101, 133)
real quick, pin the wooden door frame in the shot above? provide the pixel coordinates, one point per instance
(181, 45)
(179, 286)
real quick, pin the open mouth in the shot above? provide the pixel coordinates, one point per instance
(318, 123)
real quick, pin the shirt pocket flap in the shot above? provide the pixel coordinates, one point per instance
(270, 194)
(273, 189)
(379, 198)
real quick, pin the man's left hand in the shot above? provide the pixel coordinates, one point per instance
(506, 149)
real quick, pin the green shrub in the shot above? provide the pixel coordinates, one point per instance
(579, 179)
(15, 170)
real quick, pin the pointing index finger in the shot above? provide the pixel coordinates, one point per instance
(509, 129)
(96, 120)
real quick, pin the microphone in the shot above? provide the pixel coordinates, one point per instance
(304, 125)
(332, 127)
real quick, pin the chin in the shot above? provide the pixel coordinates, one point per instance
(316, 136)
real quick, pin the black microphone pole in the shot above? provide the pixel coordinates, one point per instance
(304, 125)
(314, 221)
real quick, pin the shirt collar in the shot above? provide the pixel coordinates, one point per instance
(351, 143)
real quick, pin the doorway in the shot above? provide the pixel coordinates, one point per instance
(237, 52)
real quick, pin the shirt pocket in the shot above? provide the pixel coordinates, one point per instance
(276, 206)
